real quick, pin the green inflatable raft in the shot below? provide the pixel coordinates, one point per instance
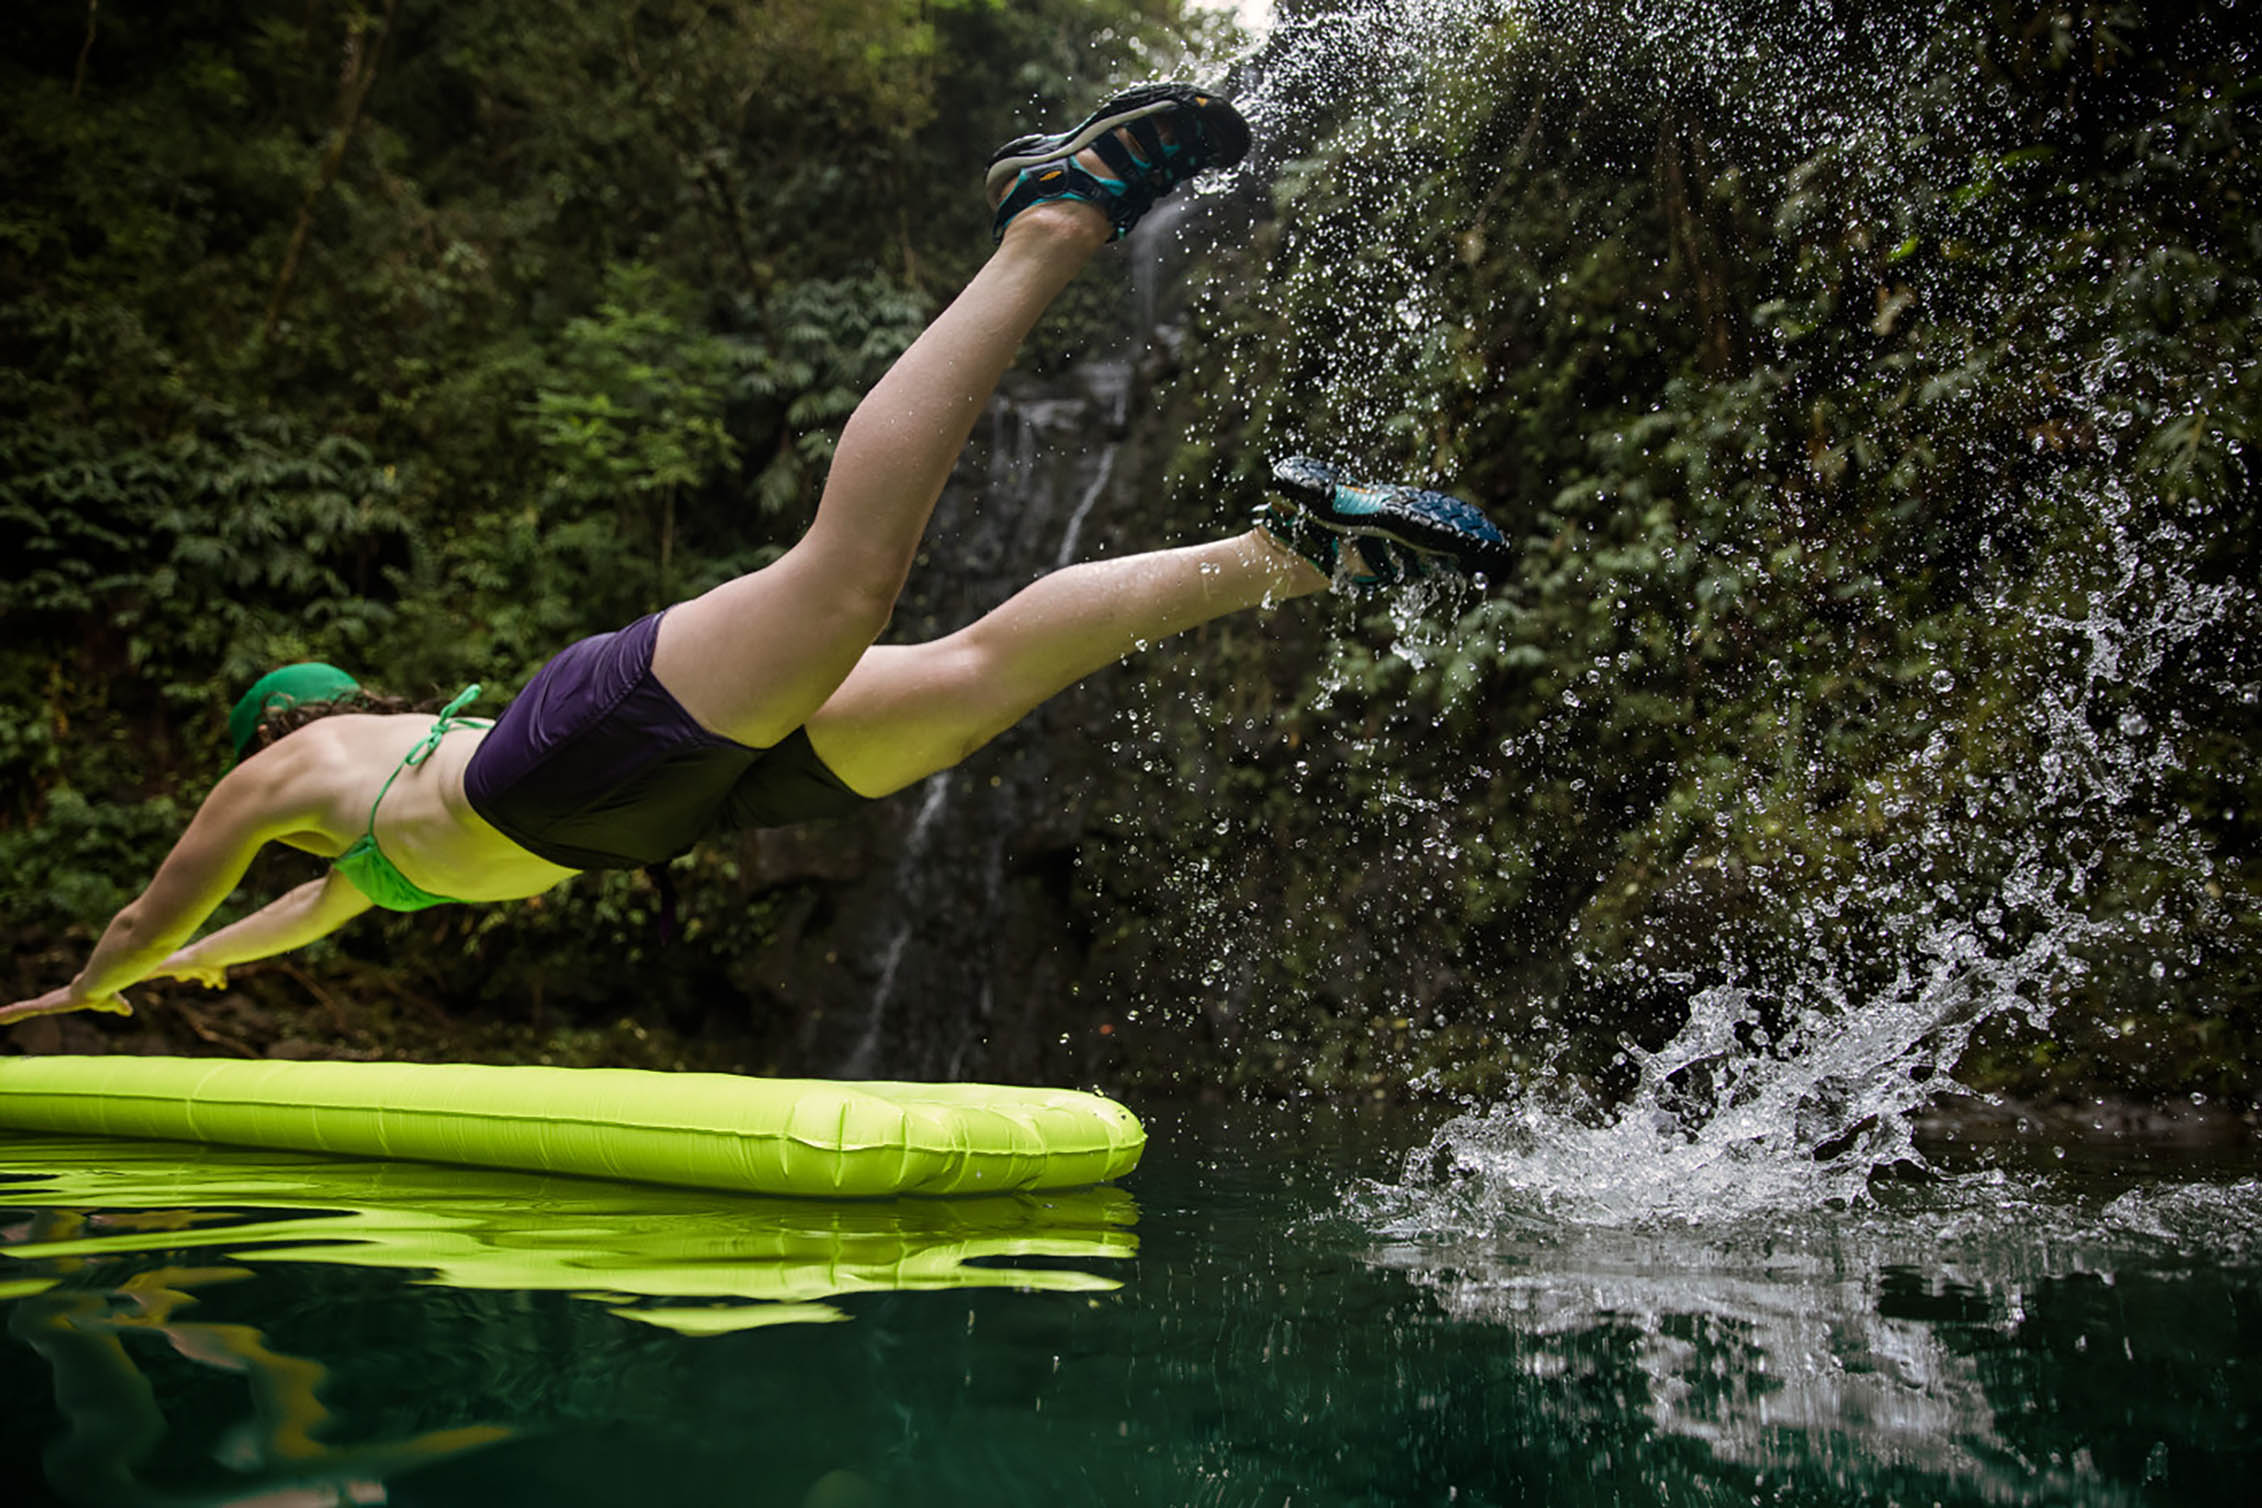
(810, 1137)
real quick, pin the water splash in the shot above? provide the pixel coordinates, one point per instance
(1790, 1088)
(1959, 890)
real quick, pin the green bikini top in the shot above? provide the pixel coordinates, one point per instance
(364, 865)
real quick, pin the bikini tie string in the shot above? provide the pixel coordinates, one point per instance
(446, 722)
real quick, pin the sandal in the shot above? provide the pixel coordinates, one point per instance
(1206, 132)
(1369, 563)
(1400, 532)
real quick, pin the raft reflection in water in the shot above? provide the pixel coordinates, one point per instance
(113, 1424)
(116, 1241)
(650, 1254)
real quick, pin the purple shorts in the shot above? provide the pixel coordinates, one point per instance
(596, 766)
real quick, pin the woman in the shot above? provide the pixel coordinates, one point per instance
(765, 701)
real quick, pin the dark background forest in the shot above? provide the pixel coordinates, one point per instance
(1873, 405)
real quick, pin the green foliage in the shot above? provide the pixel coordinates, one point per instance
(807, 358)
(1824, 456)
(635, 403)
(427, 337)
(152, 574)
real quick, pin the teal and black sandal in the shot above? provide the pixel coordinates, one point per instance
(1205, 131)
(1368, 563)
(1398, 532)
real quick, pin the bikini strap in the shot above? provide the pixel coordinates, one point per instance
(446, 723)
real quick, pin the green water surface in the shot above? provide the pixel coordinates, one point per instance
(1255, 1318)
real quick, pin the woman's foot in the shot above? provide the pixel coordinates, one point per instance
(1122, 158)
(1377, 534)
(1326, 557)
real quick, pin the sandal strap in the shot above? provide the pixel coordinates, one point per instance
(1124, 201)
(1068, 180)
(1295, 529)
(1138, 184)
(1119, 158)
(1388, 562)
(1385, 562)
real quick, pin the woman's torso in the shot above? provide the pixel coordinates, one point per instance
(424, 825)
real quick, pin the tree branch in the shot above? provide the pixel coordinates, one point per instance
(355, 75)
(86, 50)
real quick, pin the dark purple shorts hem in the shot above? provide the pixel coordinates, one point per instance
(596, 765)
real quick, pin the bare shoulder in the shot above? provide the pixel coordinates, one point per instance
(318, 773)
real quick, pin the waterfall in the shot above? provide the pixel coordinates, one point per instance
(905, 882)
(954, 940)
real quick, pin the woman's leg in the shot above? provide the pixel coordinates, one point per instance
(755, 657)
(907, 711)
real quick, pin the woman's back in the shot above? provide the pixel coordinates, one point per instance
(351, 772)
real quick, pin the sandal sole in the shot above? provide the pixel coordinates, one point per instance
(1229, 133)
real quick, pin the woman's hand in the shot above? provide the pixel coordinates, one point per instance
(213, 976)
(59, 1001)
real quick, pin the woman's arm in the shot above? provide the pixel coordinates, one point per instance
(314, 909)
(260, 799)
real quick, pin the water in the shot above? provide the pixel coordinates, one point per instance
(1256, 1318)
(1720, 1264)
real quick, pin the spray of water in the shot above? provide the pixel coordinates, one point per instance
(1960, 889)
